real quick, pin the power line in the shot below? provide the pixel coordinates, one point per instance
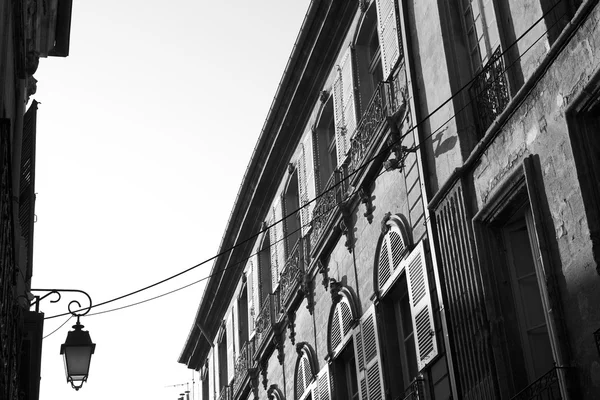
(364, 164)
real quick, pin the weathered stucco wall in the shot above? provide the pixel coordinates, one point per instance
(539, 127)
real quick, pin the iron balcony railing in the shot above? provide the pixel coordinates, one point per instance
(368, 127)
(325, 206)
(242, 364)
(292, 274)
(264, 321)
(416, 391)
(388, 99)
(489, 92)
(547, 387)
(226, 393)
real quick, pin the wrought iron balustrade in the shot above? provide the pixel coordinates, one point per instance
(243, 362)
(489, 92)
(225, 393)
(325, 206)
(292, 274)
(264, 321)
(547, 387)
(416, 391)
(368, 126)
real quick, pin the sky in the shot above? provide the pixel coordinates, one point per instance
(144, 133)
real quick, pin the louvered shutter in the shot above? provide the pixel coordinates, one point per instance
(250, 283)
(322, 387)
(27, 184)
(420, 306)
(359, 357)
(341, 325)
(277, 243)
(304, 377)
(306, 181)
(344, 104)
(230, 334)
(372, 355)
(389, 39)
(384, 266)
(391, 254)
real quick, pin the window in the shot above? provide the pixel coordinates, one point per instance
(278, 251)
(368, 57)
(479, 19)
(242, 323)
(292, 223)
(326, 145)
(489, 90)
(400, 338)
(222, 358)
(264, 272)
(584, 125)
(516, 255)
(522, 304)
(345, 374)
(304, 372)
(402, 283)
(307, 184)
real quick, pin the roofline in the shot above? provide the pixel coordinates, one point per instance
(264, 171)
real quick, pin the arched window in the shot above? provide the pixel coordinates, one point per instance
(305, 372)
(393, 247)
(343, 317)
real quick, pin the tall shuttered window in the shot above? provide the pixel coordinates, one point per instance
(344, 104)
(277, 240)
(306, 180)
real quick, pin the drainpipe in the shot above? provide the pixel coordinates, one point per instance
(417, 133)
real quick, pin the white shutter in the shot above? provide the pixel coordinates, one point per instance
(384, 266)
(368, 357)
(341, 325)
(211, 374)
(491, 26)
(277, 243)
(216, 374)
(389, 40)
(230, 333)
(420, 306)
(250, 283)
(304, 378)
(391, 254)
(322, 389)
(344, 104)
(306, 181)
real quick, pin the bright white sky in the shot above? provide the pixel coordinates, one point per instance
(144, 133)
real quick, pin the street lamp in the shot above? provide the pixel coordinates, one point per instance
(78, 348)
(77, 351)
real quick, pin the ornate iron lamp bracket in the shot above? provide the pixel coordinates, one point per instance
(76, 312)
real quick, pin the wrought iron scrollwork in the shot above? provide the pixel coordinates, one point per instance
(74, 307)
(490, 92)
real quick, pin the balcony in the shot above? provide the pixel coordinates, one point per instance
(226, 393)
(242, 364)
(489, 92)
(415, 391)
(547, 387)
(387, 103)
(291, 275)
(323, 213)
(264, 322)
(369, 126)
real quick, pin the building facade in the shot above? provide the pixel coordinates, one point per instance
(28, 30)
(419, 217)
